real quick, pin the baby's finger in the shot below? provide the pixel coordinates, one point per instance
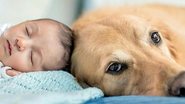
(12, 72)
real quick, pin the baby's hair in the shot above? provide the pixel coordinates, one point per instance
(66, 40)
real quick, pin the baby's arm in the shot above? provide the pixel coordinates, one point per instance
(6, 71)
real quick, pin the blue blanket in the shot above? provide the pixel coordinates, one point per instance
(45, 87)
(138, 100)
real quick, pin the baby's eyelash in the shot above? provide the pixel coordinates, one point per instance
(31, 57)
(27, 32)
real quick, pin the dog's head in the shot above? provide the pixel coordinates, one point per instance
(126, 55)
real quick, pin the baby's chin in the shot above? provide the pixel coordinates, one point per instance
(3, 28)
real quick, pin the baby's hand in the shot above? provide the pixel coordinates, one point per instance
(8, 71)
(12, 72)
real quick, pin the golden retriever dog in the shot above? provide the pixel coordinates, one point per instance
(131, 50)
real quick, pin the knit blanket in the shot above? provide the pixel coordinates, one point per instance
(45, 87)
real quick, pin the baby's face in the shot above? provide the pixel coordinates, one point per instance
(32, 46)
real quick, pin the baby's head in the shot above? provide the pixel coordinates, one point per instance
(42, 44)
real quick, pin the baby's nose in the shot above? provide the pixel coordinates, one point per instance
(20, 44)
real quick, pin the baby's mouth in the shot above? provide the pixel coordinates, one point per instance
(9, 47)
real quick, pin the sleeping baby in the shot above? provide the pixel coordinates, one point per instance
(35, 45)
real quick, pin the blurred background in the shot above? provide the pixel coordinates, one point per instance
(66, 11)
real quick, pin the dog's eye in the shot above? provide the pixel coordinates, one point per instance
(155, 37)
(115, 67)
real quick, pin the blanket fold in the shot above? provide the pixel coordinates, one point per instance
(45, 87)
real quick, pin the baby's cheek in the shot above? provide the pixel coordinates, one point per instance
(2, 49)
(17, 63)
(2, 54)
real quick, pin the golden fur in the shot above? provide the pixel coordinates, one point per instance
(122, 35)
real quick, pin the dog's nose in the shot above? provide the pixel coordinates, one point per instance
(177, 87)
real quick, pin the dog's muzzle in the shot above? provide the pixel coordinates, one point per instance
(177, 87)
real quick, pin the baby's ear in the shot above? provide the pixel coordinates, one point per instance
(83, 84)
(12, 72)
